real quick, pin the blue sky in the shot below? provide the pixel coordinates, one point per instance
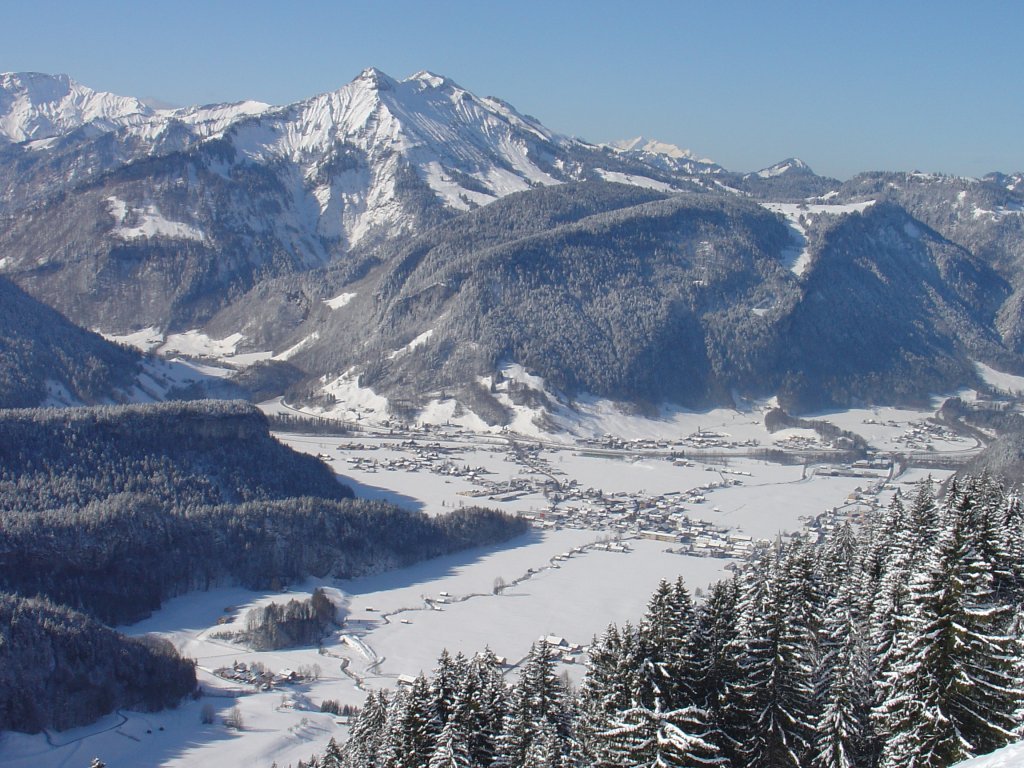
(846, 86)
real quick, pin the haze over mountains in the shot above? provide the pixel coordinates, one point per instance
(416, 239)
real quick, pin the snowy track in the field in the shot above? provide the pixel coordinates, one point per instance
(366, 650)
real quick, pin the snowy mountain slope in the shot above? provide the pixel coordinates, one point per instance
(45, 360)
(611, 291)
(174, 213)
(644, 144)
(791, 165)
(790, 180)
(666, 157)
(985, 216)
(351, 145)
(37, 108)
(163, 242)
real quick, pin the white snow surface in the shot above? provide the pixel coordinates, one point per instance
(289, 353)
(58, 396)
(438, 127)
(793, 164)
(340, 300)
(144, 340)
(195, 343)
(575, 600)
(419, 341)
(353, 400)
(37, 107)
(636, 181)
(643, 144)
(1004, 382)
(997, 214)
(813, 209)
(1010, 756)
(888, 429)
(148, 222)
(397, 622)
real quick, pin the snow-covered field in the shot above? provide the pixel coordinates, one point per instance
(574, 598)
(1003, 382)
(1010, 756)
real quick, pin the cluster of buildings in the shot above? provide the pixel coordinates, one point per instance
(921, 434)
(432, 457)
(661, 517)
(701, 440)
(257, 675)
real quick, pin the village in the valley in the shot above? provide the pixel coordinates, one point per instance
(687, 519)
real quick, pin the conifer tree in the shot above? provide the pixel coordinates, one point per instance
(776, 691)
(452, 750)
(517, 730)
(483, 698)
(538, 701)
(1011, 523)
(604, 692)
(842, 737)
(332, 757)
(444, 685)
(668, 631)
(954, 685)
(363, 748)
(718, 654)
(413, 730)
(544, 750)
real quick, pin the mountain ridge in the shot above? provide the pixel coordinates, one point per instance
(255, 221)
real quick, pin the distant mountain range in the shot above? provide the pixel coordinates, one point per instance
(444, 249)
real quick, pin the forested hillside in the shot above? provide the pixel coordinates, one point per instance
(61, 669)
(896, 645)
(348, 240)
(177, 454)
(111, 510)
(605, 289)
(43, 356)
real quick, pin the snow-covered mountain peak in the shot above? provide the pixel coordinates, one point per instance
(35, 107)
(468, 150)
(219, 114)
(373, 78)
(430, 80)
(655, 147)
(38, 106)
(789, 165)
